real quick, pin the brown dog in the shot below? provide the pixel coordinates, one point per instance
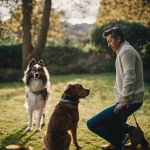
(136, 137)
(136, 134)
(64, 118)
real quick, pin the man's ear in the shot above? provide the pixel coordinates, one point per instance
(41, 63)
(32, 63)
(118, 39)
(70, 91)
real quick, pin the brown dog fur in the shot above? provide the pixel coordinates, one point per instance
(134, 132)
(137, 135)
(64, 118)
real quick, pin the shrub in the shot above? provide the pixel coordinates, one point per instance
(11, 56)
(61, 54)
(146, 60)
(135, 33)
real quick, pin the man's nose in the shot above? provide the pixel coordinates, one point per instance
(108, 44)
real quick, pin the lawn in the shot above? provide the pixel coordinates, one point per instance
(14, 116)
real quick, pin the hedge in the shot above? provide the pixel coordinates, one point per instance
(11, 56)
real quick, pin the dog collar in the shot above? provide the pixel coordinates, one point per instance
(68, 101)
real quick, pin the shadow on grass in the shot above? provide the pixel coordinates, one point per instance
(15, 139)
(148, 148)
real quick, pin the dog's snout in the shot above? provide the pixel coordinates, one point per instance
(88, 90)
(36, 75)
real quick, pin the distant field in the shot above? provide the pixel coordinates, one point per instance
(14, 117)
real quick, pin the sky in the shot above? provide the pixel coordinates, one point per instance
(77, 11)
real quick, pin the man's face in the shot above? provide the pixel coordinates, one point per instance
(112, 43)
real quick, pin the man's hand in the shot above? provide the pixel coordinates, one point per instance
(121, 105)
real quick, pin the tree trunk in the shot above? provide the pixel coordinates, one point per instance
(27, 46)
(28, 52)
(39, 48)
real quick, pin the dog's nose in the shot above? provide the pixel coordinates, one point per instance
(88, 90)
(36, 75)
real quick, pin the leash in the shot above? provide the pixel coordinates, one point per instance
(123, 125)
(137, 138)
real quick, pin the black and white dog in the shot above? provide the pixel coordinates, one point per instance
(37, 87)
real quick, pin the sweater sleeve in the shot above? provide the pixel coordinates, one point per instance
(128, 60)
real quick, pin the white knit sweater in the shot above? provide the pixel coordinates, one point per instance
(129, 75)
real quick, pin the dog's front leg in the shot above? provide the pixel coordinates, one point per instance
(30, 111)
(43, 118)
(38, 127)
(74, 136)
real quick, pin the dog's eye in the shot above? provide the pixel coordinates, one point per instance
(80, 87)
(33, 68)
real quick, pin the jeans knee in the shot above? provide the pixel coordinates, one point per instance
(89, 125)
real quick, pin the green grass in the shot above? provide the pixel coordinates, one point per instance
(14, 117)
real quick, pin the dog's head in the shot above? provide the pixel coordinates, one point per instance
(36, 71)
(75, 90)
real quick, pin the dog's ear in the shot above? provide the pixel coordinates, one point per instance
(32, 63)
(41, 63)
(70, 90)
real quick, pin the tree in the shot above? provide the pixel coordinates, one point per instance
(12, 28)
(135, 33)
(129, 10)
(25, 25)
(28, 51)
(34, 47)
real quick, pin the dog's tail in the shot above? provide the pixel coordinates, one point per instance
(18, 147)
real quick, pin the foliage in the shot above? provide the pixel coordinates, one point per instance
(68, 41)
(11, 56)
(8, 41)
(14, 116)
(146, 60)
(10, 75)
(135, 33)
(129, 10)
(13, 26)
(61, 54)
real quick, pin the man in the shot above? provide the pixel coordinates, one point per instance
(129, 92)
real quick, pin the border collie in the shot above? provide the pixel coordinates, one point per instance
(37, 87)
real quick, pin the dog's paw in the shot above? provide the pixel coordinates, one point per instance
(28, 129)
(45, 148)
(38, 129)
(43, 124)
(103, 146)
(78, 147)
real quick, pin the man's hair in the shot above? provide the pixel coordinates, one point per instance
(115, 31)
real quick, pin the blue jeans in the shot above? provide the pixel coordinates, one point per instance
(111, 126)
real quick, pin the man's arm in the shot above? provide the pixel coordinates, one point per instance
(128, 60)
(128, 63)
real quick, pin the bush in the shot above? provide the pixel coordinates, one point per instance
(61, 54)
(10, 75)
(146, 60)
(11, 56)
(8, 41)
(135, 33)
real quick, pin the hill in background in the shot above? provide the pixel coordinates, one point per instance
(78, 32)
